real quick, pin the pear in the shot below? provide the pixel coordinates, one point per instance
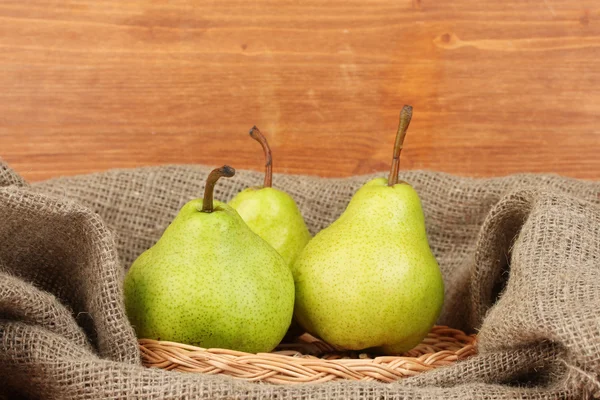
(370, 280)
(271, 213)
(210, 281)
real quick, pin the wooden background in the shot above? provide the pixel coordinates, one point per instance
(498, 87)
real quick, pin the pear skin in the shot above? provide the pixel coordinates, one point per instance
(274, 216)
(370, 279)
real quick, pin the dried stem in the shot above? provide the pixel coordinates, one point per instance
(259, 137)
(213, 177)
(405, 116)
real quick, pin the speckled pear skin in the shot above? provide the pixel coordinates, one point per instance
(274, 216)
(370, 280)
(211, 282)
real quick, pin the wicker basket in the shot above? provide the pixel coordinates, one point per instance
(311, 360)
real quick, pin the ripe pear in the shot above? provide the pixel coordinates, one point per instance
(211, 282)
(370, 280)
(271, 213)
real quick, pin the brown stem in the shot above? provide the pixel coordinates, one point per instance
(405, 116)
(259, 137)
(213, 177)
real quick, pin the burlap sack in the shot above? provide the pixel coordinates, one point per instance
(520, 257)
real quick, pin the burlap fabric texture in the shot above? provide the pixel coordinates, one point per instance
(520, 257)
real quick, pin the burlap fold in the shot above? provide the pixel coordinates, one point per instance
(520, 257)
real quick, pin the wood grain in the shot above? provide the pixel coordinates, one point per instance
(498, 87)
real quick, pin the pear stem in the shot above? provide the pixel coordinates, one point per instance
(209, 189)
(405, 116)
(260, 138)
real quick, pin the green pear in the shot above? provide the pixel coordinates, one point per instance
(211, 282)
(271, 213)
(370, 280)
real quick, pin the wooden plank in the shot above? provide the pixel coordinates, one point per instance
(497, 87)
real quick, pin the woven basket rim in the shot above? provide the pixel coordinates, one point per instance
(290, 363)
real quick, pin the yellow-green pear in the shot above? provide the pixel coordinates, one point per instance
(370, 280)
(211, 282)
(271, 213)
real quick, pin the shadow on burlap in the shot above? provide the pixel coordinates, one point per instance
(520, 257)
